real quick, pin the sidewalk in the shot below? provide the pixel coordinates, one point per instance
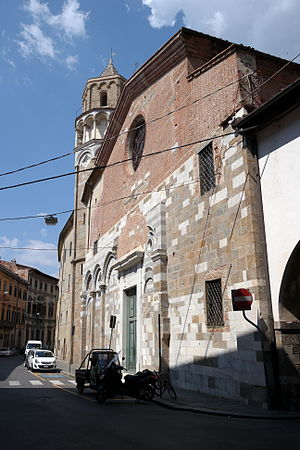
(198, 402)
(207, 404)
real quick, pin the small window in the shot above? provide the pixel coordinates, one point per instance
(95, 249)
(10, 289)
(15, 292)
(103, 98)
(41, 285)
(70, 252)
(214, 303)
(206, 169)
(35, 283)
(83, 218)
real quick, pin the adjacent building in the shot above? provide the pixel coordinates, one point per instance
(273, 131)
(41, 302)
(167, 219)
(13, 294)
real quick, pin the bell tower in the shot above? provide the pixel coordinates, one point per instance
(99, 100)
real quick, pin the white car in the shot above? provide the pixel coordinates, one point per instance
(39, 359)
(6, 351)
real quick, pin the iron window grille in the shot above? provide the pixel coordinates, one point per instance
(214, 303)
(207, 169)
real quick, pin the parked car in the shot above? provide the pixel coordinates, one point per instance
(6, 351)
(38, 359)
(15, 351)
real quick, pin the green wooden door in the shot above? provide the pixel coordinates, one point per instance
(131, 329)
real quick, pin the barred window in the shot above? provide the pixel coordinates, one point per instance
(214, 303)
(206, 169)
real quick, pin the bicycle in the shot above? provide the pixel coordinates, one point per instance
(163, 384)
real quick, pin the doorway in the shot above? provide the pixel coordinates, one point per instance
(130, 328)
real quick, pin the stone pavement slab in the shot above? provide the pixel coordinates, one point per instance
(206, 404)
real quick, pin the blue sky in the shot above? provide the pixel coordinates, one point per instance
(49, 50)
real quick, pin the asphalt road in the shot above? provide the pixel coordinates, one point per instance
(43, 411)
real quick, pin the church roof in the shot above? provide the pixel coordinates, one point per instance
(109, 70)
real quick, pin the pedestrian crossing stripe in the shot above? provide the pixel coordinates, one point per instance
(14, 383)
(56, 382)
(35, 382)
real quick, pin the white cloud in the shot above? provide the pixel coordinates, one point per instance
(268, 25)
(35, 42)
(38, 254)
(6, 242)
(217, 23)
(71, 62)
(6, 57)
(49, 33)
(31, 252)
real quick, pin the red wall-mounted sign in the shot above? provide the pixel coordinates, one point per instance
(241, 299)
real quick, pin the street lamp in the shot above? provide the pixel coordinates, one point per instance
(50, 220)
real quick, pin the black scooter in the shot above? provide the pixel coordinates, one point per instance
(140, 386)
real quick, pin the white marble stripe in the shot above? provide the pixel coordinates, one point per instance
(14, 383)
(35, 382)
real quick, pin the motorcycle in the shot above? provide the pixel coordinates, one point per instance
(140, 385)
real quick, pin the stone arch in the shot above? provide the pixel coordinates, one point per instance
(107, 267)
(85, 159)
(88, 281)
(96, 276)
(149, 280)
(289, 301)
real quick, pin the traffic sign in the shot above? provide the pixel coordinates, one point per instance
(241, 299)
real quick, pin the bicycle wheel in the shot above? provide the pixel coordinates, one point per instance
(171, 390)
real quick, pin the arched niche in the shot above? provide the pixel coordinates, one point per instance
(79, 133)
(101, 125)
(88, 129)
(289, 299)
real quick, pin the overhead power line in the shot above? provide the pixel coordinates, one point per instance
(157, 118)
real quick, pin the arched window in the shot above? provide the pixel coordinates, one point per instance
(137, 141)
(103, 98)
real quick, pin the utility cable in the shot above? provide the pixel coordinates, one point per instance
(159, 117)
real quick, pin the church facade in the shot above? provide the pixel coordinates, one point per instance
(167, 219)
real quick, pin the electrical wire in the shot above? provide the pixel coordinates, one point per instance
(158, 152)
(156, 118)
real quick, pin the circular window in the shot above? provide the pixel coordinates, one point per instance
(137, 142)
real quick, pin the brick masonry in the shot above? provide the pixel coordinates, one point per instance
(154, 231)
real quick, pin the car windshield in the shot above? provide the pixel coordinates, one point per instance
(33, 345)
(3, 349)
(44, 354)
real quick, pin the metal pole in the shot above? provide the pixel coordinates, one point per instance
(263, 354)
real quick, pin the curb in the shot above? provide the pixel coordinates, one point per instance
(223, 413)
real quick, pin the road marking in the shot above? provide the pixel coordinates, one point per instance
(35, 382)
(14, 383)
(69, 391)
(56, 382)
(72, 381)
